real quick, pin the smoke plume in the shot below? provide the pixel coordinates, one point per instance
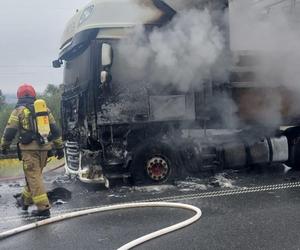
(271, 30)
(192, 49)
(182, 53)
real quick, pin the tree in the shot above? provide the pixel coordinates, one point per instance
(5, 110)
(4, 115)
(52, 96)
(2, 100)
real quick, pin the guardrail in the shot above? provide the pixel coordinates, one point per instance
(11, 154)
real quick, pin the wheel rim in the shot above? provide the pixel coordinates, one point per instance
(157, 168)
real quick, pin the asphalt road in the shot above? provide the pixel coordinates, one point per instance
(241, 216)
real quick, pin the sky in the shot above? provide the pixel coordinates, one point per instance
(30, 33)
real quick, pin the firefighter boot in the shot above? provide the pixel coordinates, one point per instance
(41, 213)
(20, 203)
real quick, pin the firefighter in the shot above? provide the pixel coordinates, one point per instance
(32, 147)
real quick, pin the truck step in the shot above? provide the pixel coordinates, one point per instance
(72, 155)
(118, 176)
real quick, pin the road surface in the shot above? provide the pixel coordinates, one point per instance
(257, 209)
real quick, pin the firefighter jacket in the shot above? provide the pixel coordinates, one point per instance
(20, 121)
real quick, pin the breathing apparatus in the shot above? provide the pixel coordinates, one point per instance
(37, 114)
(42, 120)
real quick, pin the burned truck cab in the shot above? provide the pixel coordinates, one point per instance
(108, 119)
(116, 124)
(97, 111)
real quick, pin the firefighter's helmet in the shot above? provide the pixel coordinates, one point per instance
(26, 90)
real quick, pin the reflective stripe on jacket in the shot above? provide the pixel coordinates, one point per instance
(19, 121)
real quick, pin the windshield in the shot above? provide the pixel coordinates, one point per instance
(78, 70)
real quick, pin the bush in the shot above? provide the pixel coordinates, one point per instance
(52, 96)
(4, 115)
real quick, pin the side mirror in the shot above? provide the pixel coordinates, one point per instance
(105, 77)
(106, 62)
(57, 63)
(106, 55)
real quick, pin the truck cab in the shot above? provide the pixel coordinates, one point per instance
(117, 125)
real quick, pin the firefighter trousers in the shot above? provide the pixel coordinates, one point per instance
(34, 192)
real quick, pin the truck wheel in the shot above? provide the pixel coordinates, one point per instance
(154, 163)
(293, 135)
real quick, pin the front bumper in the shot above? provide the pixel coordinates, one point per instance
(98, 178)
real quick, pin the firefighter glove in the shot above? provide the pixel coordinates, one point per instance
(59, 153)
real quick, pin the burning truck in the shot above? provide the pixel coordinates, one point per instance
(141, 105)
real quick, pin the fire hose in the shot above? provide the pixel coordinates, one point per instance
(129, 245)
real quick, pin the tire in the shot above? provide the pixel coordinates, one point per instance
(293, 135)
(154, 163)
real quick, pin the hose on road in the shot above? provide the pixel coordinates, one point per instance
(117, 207)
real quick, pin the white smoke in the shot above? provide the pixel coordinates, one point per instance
(180, 5)
(262, 28)
(183, 53)
(271, 29)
